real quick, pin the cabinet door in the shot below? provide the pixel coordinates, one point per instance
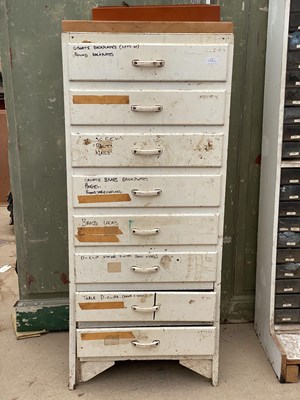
(147, 107)
(146, 191)
(143, 342)
(176, 229)
(144, 267)
(132, 61)
(144, 150)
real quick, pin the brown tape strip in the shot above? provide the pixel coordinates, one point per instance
(99, 230)
(89, 99)
(103, 198)
(98, 238)
(105, 305)
(107, 335)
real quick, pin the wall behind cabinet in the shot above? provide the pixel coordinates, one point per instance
(31, 60)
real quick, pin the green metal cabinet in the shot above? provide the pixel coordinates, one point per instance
(31, 62)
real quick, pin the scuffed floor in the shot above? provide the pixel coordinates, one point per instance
(37, 368)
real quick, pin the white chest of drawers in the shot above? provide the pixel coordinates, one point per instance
(147, 119)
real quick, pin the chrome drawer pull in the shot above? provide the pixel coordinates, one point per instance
(137, 108)
(154, 63)
(146, 193)
(147, 152)
(136, 343)
(145, 232)
(145, 309)
(149, 270)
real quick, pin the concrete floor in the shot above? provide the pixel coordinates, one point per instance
(37, 368)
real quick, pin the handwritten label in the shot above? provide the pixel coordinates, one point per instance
(104, 147)
(86, 222)
(101, 50)
(212, 60)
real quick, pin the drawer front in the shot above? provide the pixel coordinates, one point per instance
(286, 316)
(288, 256)
(294, 39)
(290, 175)
(295, 21)
(185, 306)
(293, 61)
(292, 96)
(288, 286)
(147, 191)
(291, 132)
(290, 208)
(146, 230)
(143, 342)
(288, 271)
(145, 306)
(143, 150)
(115, 306)
(289, 224)
(288, 239)
(146, 107)
(290, 192)
(292, 79)
(147, 62)
(291, 150)
(292, 115)
(295, 6)
(287, 301)
(145, 267)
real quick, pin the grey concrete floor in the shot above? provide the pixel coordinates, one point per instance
(37, 368)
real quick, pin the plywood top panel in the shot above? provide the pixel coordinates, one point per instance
(146, 27)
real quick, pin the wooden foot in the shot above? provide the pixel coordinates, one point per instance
(292, 373)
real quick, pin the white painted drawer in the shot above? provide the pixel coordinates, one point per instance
(143, 150)
(114, 306)
(188, 107)
(145, 306)
(178, 229)
(122, 61)
(185, 306)
(162, 341)
(147, 191)
(145, 268)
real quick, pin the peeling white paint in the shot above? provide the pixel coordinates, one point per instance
(227, 239)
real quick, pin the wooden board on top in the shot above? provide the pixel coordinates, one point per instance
(186, 12)
(146, 27)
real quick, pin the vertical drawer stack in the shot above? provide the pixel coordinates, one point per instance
(146, 136)
(287, 301)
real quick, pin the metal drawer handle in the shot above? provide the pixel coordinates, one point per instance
(149, 270)
(154, 343)
(147, 152)
(156, 108)
(145, 309)
(146, 193)
(145, 232)
(154, 63)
